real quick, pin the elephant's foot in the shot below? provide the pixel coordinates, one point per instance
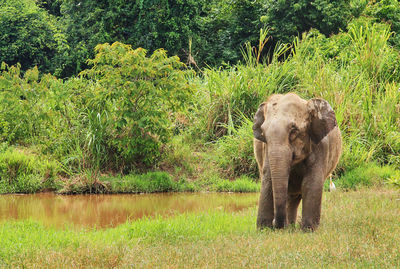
(279, 224)
(309, 226)
(264, 223)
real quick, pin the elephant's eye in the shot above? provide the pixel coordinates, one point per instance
(293, 133)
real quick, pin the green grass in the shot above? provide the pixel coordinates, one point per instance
(367, 175)
(358, 229)
(22, 171)
(146, 183)
(242, 184)
(152, 182)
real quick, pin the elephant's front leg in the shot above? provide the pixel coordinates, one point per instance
(266, 202)
(312, 196)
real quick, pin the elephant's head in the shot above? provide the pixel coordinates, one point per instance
(290, 126)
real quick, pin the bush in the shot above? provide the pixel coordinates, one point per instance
(133, 102)
(21, 111)
(117, 116)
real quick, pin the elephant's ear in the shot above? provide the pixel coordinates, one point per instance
(258, 121)
(322, 119)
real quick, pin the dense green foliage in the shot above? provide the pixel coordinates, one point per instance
(226, 26)
(357, 72)
(132, 103)
(60, 35)
(130, 111)
(289, 19)
(149, 24)
(30, 36)
(387, 11)
(114, 116)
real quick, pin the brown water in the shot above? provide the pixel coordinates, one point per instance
(103, 211)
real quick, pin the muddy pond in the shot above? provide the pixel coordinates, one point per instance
(104, 211)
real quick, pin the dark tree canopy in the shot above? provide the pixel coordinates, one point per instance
(150, 24)
(60, 35)
(288, 18)
(29, 36)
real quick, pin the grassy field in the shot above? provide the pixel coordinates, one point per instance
(359, 229)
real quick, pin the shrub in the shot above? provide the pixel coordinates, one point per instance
(133, 101)
(21, 112)
(117, 116)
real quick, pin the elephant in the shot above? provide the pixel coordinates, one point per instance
(297, 145)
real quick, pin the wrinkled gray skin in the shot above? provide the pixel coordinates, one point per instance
(297, 144)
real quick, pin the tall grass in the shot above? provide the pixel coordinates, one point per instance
(361, 83)
(22, 171)
(228, 94)
(356, 71)
(234, 153)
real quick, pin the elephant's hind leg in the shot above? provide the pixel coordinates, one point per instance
(293, 204)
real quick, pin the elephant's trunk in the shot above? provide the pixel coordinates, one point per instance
(279, 161)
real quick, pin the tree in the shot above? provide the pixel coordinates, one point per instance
(226, 27)
(288, 18)
(151, 24)
(29, 36)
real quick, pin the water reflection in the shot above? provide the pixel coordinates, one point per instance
(111, 210)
